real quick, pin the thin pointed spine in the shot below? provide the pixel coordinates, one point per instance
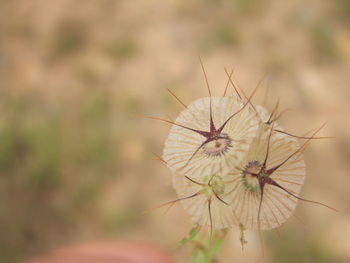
(271, 170)
(177, 98)
(212, 126)
(203, 133)
(300, 198)
(230, 76)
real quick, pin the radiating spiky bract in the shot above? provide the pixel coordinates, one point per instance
(190, 153)
(277, 205)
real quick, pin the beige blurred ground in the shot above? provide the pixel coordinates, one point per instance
(76, 76)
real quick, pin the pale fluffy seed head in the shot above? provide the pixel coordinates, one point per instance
(277, 205)
(219, 155)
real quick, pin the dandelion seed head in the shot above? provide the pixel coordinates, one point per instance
(277, 205)
(188, 152)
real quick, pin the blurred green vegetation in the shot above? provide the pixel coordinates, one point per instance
(70, 39)
(295, 247)
(343, 10)
(204, 249)
(121, 49)
(324, 42)
(54, 162)
(222, 36)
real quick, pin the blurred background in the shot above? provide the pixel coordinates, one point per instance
(76, 156)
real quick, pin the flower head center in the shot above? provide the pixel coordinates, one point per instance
(250, 176)
(218, 146)
(214, 185)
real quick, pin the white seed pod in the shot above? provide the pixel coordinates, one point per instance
(198, 146)
(282, 177)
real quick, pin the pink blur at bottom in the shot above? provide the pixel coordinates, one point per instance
(106, 252)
